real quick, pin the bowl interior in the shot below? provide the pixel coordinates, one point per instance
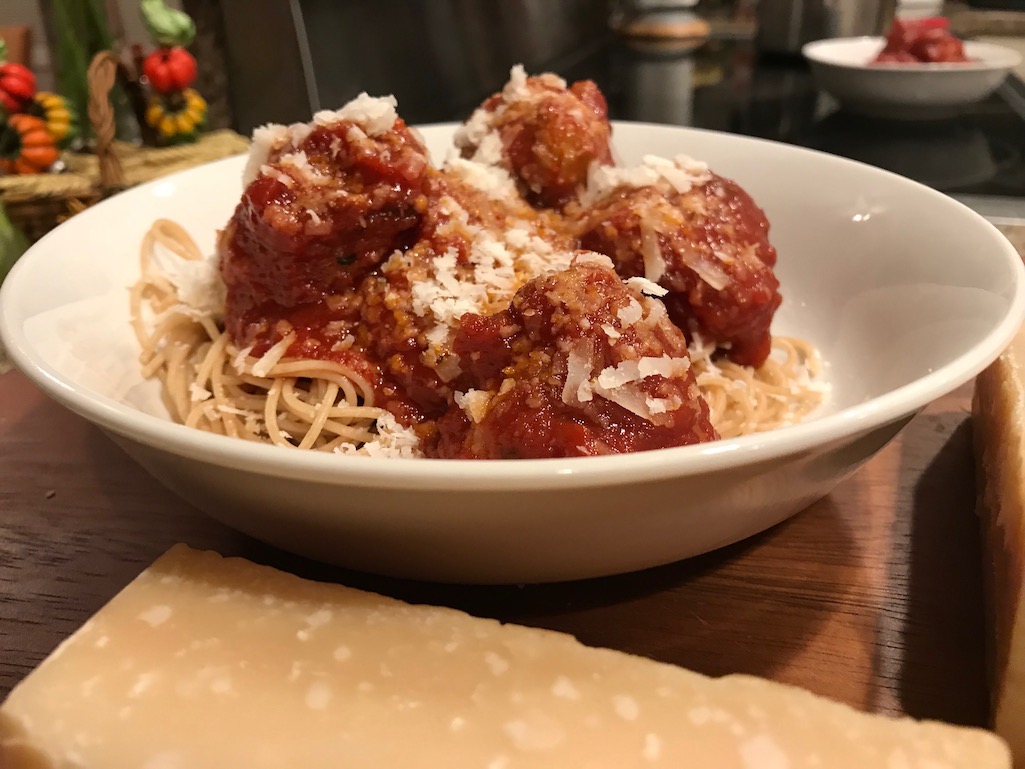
(905, 292)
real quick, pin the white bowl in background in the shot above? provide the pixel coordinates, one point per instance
(843, 68)
(919, 9)
(906, 293)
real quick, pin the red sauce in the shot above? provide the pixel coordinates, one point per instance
(528, 345)
(330, 248)
(921, 41)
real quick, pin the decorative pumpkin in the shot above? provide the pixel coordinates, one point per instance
(170, 69)
(26, 147)
(17, 85)
(177, 117)
(60, 121)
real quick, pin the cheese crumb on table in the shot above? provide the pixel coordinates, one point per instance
(211, 663)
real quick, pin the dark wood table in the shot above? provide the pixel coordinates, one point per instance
(872, 596)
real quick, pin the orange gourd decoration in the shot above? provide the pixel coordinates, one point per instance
(26, 147)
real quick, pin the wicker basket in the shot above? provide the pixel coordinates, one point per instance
(37, 203)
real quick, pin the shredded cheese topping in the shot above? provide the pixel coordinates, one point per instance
(375, 115)
(681, 174)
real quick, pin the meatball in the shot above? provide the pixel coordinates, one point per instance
(578, 364)
(545, 134)
(472, 255)
(326, 204)
(702, 238)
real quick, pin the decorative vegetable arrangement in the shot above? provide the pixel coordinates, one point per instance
(33, 126)
(176, 112)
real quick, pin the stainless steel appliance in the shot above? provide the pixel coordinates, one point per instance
(785, 25)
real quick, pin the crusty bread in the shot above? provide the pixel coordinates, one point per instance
(999, 427)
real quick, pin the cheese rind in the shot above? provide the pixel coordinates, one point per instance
(211, 663)
(999, 429)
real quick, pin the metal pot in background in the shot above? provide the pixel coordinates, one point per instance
(786, 25)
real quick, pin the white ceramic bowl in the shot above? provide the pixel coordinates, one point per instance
(841, 67)
(906, 292)
(919, 9)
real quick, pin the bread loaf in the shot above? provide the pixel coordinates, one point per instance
(211, 663)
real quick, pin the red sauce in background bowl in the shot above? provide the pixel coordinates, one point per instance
(921, 41)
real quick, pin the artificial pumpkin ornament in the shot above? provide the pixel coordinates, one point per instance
(26, 146)
(55, 111)
(177, 117)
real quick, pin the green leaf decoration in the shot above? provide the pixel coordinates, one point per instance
(167, 27)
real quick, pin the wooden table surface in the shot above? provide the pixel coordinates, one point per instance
(871, 596)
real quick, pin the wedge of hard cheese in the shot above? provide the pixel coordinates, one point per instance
(999, 429)
(211, 663)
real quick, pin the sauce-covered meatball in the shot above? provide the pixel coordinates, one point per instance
(700, 236)
(578, 364)
(544, 133)
(327, 204)
(472, 254)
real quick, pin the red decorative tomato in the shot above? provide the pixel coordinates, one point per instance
(17, 86)
(170, 69)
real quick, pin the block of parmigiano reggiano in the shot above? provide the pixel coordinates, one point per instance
(999, 427)
(211, 663)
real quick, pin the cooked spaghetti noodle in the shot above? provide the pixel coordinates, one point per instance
(209, 384)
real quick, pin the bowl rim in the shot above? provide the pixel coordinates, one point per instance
(521, 474)
(994, 58)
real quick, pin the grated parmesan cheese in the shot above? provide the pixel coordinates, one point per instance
(197, 281)
(516, 87)
(710, 272)
(681, 175)
(374, 114)
(644, 287)
(474, 403)
(628, 371)
(301, 163)
(493, 180)
(592, 257)
(630, 314)
(238, 362)
(579, 365)
(277, 175)
(270, 359)
(266, 139)
(479, 134)
(392, 440)
(198, 394)
(663, 405)
(651, 252)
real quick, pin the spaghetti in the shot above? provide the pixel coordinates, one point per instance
(209, 384)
